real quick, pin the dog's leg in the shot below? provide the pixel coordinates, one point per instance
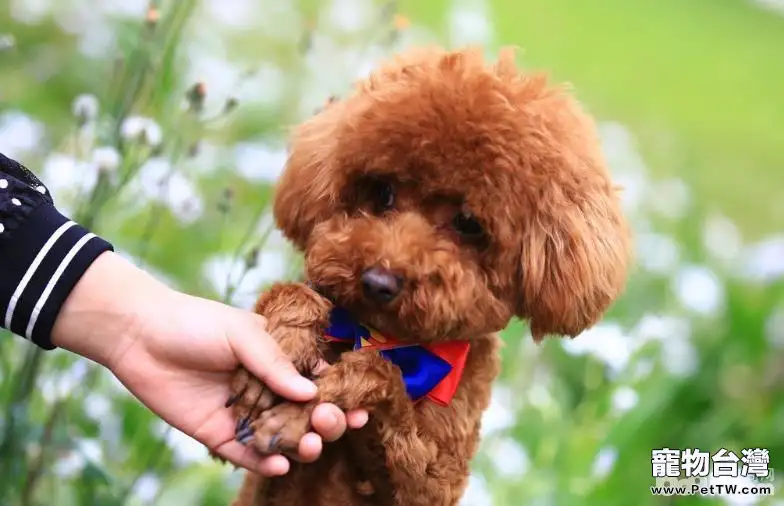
(296, 315)
(413, 459)
(249, 494)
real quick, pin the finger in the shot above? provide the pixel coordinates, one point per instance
(262, 356)
(357, 418)
(329, 421)
(310, 447)
(274, 465)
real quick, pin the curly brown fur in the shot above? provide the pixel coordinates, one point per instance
(484, 192)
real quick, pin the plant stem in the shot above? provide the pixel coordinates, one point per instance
(231, 288)
(36, 468)
(11, 447)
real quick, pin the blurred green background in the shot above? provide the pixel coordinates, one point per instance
(163, 127)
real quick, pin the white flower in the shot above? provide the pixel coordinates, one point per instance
(134, 127)
(350, 15)
(106, 158)
(470, 23)
(69, 465)
(183, 198)
(97, 406)
(509, 457)
(624, 399)
(722, 239)
(160, 182)
(670, 198)
(58, 385)
(500, 415)
(763, 261)
(147, 488)
(236, 14)
(19, 133)
(680, 358)
(604, 462)
(91, 450)
(607, 342)
(477, 492)
(72, 463)
(220, 269)
(85, 107)
(65, 173)
(186, 449)
(657, 253)
(7, 41)
(661, 328)
(699, 290)
(256, 162)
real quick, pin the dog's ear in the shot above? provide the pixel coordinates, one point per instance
(574, 261)
(308, 190)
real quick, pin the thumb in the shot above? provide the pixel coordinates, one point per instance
(258, 352)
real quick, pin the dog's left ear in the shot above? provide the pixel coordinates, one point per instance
(574, 261)
(307, 192)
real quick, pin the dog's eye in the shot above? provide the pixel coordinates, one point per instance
(384, 196)
(467, 226)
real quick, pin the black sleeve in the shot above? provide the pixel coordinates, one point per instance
(42, 254)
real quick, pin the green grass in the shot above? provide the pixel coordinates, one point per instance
(698, 81)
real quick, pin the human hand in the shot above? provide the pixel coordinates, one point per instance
(177, 354)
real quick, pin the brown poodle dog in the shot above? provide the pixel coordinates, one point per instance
(442, 198)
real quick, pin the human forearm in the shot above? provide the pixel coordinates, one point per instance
(106, 308)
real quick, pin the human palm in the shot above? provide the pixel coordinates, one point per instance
(180, 365)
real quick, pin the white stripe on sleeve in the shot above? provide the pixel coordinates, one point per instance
(52, 282)
(28, 275)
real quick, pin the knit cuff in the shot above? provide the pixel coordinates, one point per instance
(46, 259)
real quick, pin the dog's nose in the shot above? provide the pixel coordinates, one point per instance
(380, 285)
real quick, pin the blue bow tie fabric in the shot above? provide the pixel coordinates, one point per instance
(431, 371)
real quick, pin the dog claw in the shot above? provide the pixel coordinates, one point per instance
(241, 424)
(244, 436)
(273, 442)
(234, 398)
(243, 432)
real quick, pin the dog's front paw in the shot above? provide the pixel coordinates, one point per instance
(362, 380)
(277, 430)
(250, 397)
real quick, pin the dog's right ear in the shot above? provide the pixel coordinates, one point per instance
(308, 190)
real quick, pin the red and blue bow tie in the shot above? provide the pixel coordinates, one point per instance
(431, 371)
